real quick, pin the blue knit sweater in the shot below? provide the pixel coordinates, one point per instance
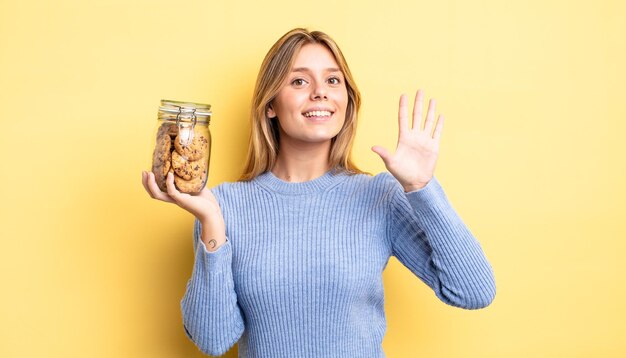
(300, 274)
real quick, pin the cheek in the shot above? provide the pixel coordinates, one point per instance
(291, 105)
(343, 99)
(343, 102)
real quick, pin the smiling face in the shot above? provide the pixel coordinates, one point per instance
(311, 105)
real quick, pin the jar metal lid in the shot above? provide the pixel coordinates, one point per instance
(175, 108)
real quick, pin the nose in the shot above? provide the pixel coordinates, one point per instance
(319, 92)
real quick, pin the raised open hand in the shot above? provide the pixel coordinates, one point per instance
(413, 163)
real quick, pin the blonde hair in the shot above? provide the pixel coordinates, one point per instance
(263, 146)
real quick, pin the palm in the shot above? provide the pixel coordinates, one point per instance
(198, 202)
(413, 163)
(202, 205)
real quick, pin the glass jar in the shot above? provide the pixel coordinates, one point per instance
(182, 145)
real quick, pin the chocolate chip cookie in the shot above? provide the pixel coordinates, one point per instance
(187, 169)
(198, 148)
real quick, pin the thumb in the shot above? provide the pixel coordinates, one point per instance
(384, 154)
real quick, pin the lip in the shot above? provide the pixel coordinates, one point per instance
(319, 119)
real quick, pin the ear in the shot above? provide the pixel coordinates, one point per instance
(270, 111)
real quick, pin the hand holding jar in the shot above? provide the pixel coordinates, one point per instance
(180, 165)
(203, 206)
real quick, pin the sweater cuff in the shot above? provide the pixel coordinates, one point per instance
(431, 195)
(216, 261)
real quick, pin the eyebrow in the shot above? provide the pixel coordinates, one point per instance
(306, 69)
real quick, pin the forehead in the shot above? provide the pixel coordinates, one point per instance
(314, 56)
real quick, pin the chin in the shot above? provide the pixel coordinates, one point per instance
(322, 138)
(311, 137)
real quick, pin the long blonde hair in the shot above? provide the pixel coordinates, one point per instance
(263, 145)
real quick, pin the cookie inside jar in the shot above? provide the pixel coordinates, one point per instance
(183, 151)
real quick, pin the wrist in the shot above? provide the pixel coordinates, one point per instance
(211, 220)
(413, 187)
(213, 228)
(213, 238)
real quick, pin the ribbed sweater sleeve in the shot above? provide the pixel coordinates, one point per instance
(212, 318)
(431, 240)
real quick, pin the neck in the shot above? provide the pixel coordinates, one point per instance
(300, 162)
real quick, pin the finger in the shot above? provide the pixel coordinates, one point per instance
(146, 184)
(144, 181)
(382, 152)
(438, 129)
(430, 116)
(417, 110)
(403, 114)
(155, 191)
(171, 188)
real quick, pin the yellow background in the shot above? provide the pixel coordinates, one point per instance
(532, 158)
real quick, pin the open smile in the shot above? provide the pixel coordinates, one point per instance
(318, 115)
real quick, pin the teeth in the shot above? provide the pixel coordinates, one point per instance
(317, 114)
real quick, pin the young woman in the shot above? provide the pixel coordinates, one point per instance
(289, 259)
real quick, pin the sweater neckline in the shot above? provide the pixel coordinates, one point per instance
(321, 183)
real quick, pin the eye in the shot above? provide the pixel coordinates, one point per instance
(298, 82)
(334, 80)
